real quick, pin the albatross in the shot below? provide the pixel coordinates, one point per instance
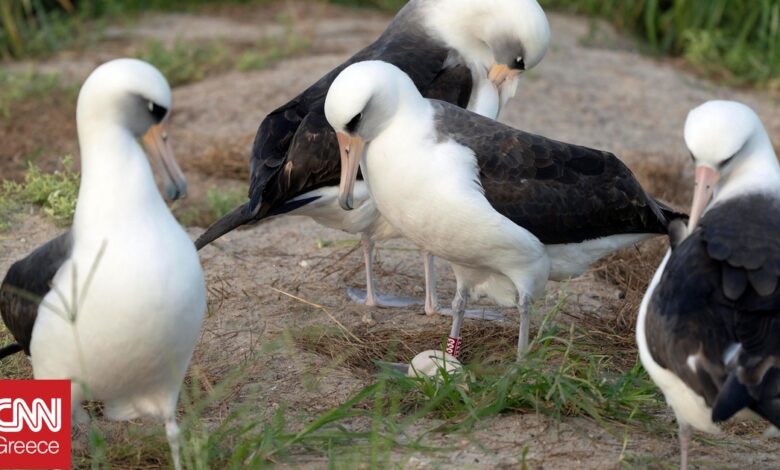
(709, 324)
(465, 52)
(506, 208)
(116, 303)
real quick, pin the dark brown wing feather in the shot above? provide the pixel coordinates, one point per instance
(562, 193)
(295, 149)
(720, 289)
(26, 283)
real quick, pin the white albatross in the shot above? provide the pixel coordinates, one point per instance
(120, 298)
(507, 209)
(709, 325)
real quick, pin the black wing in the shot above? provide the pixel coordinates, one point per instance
(26, 283)
(295, 150)
(562, 193)
(718, 297)
(400, 45)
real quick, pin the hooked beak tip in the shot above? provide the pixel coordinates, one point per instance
(346, 204)
(176, 190)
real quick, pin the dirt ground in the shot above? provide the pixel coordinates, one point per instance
(593, 88)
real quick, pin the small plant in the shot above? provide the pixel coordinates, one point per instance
(271, 50)
(186, 62)
(217, 204)
(55, 193)
(20, 86)
(222, 202)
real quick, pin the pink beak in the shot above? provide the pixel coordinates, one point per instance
(706, 179)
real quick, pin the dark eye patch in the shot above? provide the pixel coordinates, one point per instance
(727, 161)
(520, 63)
(352, 125)
(157, 111)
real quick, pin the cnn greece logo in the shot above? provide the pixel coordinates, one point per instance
(34, 424)
(35, 417)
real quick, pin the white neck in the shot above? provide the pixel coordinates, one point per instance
(117, 183)
(462, 31)
(757, 172)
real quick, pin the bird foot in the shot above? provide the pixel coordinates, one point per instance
(481, 314)
(382, 300)
(397, 367)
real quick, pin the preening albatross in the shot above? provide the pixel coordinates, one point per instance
(466, 52)
(507, 209)
(116, 303)
(709, 325)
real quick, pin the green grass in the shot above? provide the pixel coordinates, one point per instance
(394, 415)
(54, 193)
(218, 202)
(16, 86)
(733, 40)
(185, 62)
(271, 50)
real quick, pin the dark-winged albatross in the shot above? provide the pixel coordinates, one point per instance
(116, 303)
(709, 325)
(462, 51)
(507, 209)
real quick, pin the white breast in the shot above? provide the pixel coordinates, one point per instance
(688, 406)
(138, 310)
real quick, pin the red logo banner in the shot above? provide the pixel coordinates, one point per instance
(34, 424)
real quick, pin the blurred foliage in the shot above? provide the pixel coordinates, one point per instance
(390, 5)
(186, 62)
(36, 27)
(734, 40)
(19, 86)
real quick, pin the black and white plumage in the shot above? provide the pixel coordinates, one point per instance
(116, 303)
(25, 284)
(460, 51)
(709, 325)
(509, 210)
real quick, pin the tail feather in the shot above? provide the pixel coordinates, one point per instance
(670, 214)
(735, 396)
(10, 350)
(234, 219)
(732, 397)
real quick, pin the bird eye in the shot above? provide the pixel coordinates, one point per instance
(157, 111)
(520, 62)
(352, 125)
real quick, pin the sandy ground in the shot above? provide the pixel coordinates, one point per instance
(593, 88)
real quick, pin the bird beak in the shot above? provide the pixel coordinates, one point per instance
(501, 75)
(158, 144)
(351, 148)
(706, 179)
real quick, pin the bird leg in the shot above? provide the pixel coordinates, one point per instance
(370, 296)
(432, 301)
(685, 432)
(458, 312)
(174, 435)
(524, 307)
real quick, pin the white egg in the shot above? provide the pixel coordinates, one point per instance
(428, 363)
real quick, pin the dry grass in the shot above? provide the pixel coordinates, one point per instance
(226, 159)
(363, 345)
(671, 183)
